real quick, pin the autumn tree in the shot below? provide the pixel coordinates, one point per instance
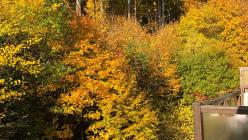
(28, 62)
(205, 69)
(103, 101)
(78, 69)
(222, 20)
(204, 30)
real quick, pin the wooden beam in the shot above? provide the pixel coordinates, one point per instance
(226, 96)
(243, 85)
(224, 110)
(198, 121)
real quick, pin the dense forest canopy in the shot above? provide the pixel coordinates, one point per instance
(115, 69)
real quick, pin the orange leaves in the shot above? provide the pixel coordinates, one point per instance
(123, 32)
(233, 14)
(164, 45)
(115, 74)
(78, 98)
(98, 73)
(84, 28)
(189, 4)
(173, 78)
(46, 88)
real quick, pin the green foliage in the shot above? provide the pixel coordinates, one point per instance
(204, 66)
(204, 69)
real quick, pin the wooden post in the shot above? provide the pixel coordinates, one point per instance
(241, 86)
(243, 82)
(198, 121)
(238, 99)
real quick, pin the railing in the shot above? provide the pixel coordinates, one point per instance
(215, 107)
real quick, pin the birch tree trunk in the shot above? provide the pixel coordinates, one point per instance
(129, 9)
(101, 7)
(78, 8)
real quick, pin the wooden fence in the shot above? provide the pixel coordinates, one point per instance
(216, 106)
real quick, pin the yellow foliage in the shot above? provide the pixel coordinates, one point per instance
(9, 95)
(224, 21)
(125, 116)
(95, 9)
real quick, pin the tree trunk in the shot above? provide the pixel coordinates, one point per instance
(101, 7)
(78, 8)
(163, 12)
(135, 10)
(147, 11)
(155, 15)
(129, 9)
(159, 12)
(94, 9)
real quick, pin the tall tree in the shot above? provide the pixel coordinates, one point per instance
(129, 9)
(135, 10)
(78, 7)
(163, 11)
